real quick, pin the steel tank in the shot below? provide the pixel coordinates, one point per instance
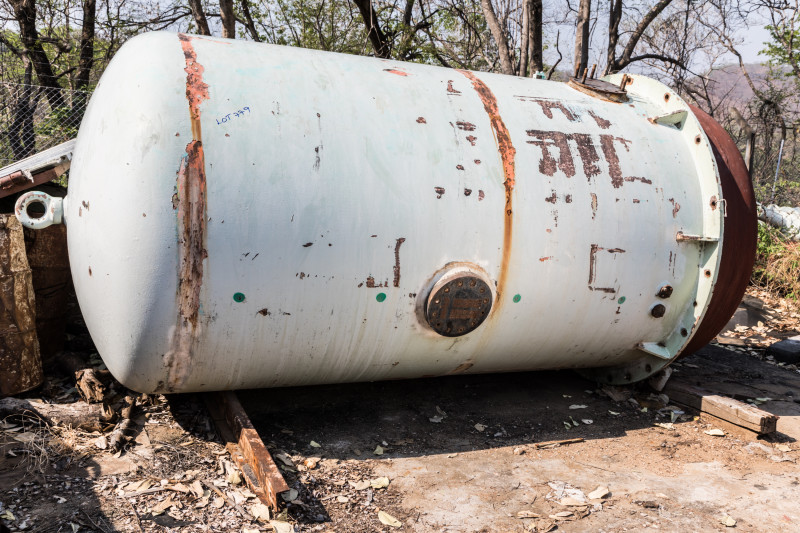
(246, 215)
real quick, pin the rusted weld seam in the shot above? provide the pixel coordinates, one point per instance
(507, 155)
(191, 220)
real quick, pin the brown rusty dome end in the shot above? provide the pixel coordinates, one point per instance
(739, 236)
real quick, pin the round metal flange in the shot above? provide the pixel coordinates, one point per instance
(458, 304)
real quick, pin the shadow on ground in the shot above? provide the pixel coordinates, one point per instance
(439, 415)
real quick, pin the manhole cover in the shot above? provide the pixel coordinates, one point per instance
(459, 305)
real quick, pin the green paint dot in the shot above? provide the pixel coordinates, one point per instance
(238, 297)
(517, 298)
(381, 296)
(621, 300)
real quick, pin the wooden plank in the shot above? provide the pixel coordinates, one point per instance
(734, 411)
(729, 428)
(252, 449)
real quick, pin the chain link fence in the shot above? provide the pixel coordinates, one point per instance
(34, 118)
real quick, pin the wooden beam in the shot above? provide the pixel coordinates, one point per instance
(722, 407)
(246, 447)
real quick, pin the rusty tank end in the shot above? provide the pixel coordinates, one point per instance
(740, 233)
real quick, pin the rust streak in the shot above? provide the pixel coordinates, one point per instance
(191, 221)
(636, 178)
(594, 205)
(543, 259)
(592, 253)
(397, 245)
(507, 155)
(395, 71)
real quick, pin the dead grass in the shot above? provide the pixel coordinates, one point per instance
(777, 268)
(38, 445)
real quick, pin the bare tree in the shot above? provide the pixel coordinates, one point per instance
(199, 15)
(228, 19)
(582, 36)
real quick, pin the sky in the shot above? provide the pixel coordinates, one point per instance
(754, 39)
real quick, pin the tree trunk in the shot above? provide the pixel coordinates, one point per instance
(228, 19)
(499, 37)
(526, 35)
(199, 17)
(85, 59)
(380, 44)
(25, 13)
(627, 54)
(21, 135)
(582, 36)
(614, 17)
(537, 60)
(249, 24)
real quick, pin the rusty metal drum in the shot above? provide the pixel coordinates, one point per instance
(246, 215)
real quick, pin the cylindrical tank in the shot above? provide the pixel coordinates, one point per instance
(247, 215)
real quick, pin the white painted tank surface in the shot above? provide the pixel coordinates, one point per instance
(245, 215)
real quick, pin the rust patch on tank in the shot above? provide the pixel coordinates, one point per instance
(191, 221)
(543, 259)
(603, 123)
(451, 89)
(548, 106)
(466, 126)
(480, 195)
(372, 285)
(610, 153)
(421, 120)
(594, 248)
(463, 367)
(507, 155)
(675, 207)
(587, 153)
(553, 139)
(439, 191)
(552, 198)
(594, 205)
(467, 192)
(472, 139)
(397, 245)
(636, 178)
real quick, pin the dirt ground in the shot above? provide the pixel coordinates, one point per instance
(455, 454)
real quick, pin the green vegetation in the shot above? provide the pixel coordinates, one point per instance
(777, 267)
